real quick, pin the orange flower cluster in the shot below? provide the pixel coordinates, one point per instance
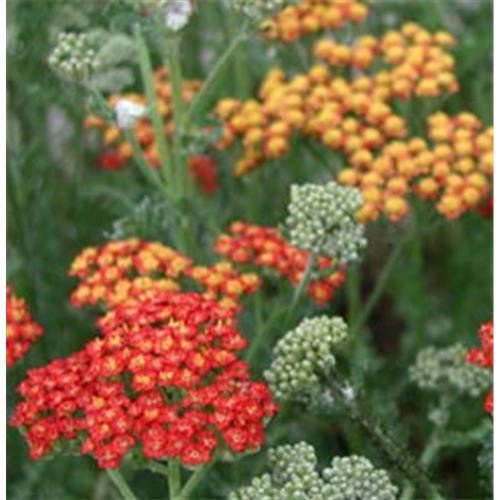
(21, 330)
(164, 380)
(265, 247)
(353, 116)
(455, 171)
(419, 64)
(343, 115)
(127, 269)
(310, 16)
(112, 137)
(483, 356)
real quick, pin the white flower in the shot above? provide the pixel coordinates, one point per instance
(127, 112)
(177, 14)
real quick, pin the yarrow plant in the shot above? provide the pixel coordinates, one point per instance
(219, 325)
(164, 376)
(295, 475)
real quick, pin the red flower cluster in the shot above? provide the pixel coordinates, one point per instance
(483, 356)
(21, 330)
(264, 247)
(204, 172)
(121, 270)
(165, 377)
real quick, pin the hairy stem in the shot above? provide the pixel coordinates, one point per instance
(398, 455)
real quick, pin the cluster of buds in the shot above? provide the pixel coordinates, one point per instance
(445, 370)
(311, 16)
(265, 248)
(303, 356)
(164, 380)
(322, 220)
(131, 269)
(483, 357)
(74, 57)
(21, 330)
(418, 61)
(455, 171)
(295, 475)
(355, 478)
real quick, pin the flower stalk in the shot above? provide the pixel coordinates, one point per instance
(397, 454)
(121, 484)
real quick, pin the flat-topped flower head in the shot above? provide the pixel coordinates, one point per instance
(21, 330)
(265, 248)
(164, 380)
(322, 220)
(302, 356)
(446, 369)
(295, 474)
(74, 57)
(355, 478)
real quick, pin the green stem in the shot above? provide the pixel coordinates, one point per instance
(172, 49)
(194, 480)
(158, 127)
(144, 167)
(174, 480)
(299, 290)
(121, 484)
(379, 287)
(353, 294)
(202, 95)
(239, 64)
(398, 455)
(278, 312)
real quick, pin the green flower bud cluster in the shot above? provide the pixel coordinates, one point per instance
(295, 476)
(322, 220)
(74, 57)
(302, 355)
(355, 478)
(446, 369)
(258, 10)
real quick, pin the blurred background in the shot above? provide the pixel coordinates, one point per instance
(60, 200)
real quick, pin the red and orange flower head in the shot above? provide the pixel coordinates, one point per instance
(483, 356)
(165, 379)
(122, 270)
(21, 330)
(265, 248)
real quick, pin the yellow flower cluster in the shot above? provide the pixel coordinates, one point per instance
(310, 16)
(143, 128)
(454, 167)
(419, 62)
